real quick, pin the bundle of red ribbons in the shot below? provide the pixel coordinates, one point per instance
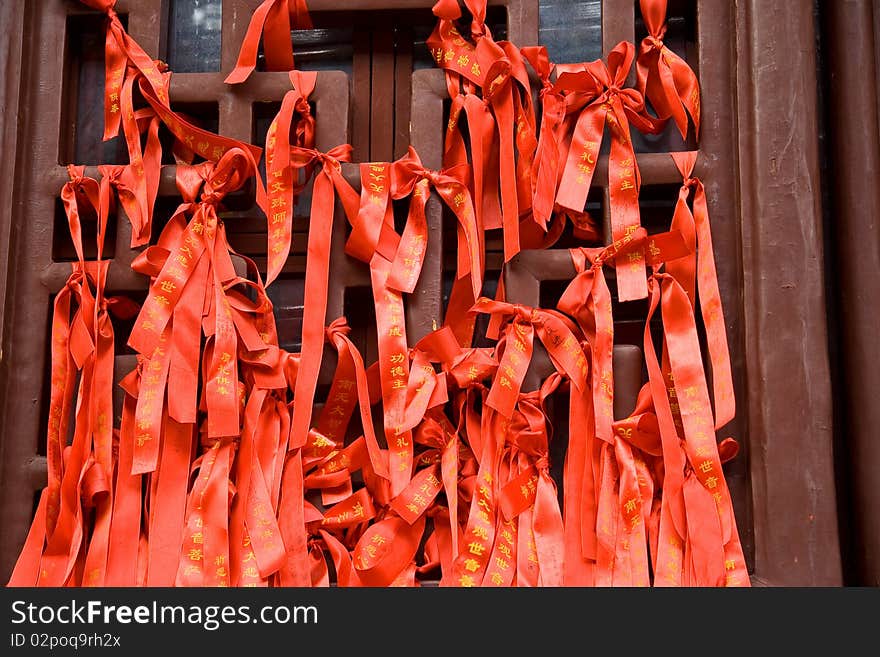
(225, 467)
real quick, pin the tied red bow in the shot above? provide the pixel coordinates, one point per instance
(273, 20)
(588, 300)
(410, 178)
(554, 332)
(505, 108)
(608, 102)
(328, 182)
(529, 494)
(450, 10)
(127, 64)
(192, 269)
(663, 77)
(121, 52)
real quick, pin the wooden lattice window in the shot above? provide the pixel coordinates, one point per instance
(377, 91)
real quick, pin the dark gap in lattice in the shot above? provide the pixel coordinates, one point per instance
(192, 40)
(82, 109)
(681, 38)
(287, 294)
(481, 323)
(595, 206)
(550, 293)
(571, 29)
(263, 113)
(163, 210)
(327, 47)
(360, 312)
(557, 427)
(401, 213)
(62, 243)
(657, 205)
(36, 503)
(681, 28)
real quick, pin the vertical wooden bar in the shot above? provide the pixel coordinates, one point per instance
(15, 449)
(786, 341)
(618, 23)
(360, 102)
(855, 167)
(382, 96)
(403, 69)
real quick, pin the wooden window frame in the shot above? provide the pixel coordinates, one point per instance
(767, 223)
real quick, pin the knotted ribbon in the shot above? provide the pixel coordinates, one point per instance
(609, 103)
(79, 475)
(285, 182)
(663, 77)
(696, 274)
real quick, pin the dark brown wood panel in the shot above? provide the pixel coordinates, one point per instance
(853, 69)
(784, 324)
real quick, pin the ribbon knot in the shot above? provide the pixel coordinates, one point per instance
(690, 183)
(655, 42)
(338, 327)
(227, 175)
(663, 77)
(406, 175)
(301, 106)
(612, 91)
(528, 315)
(497, 78)
(408, 171)
(555, 333)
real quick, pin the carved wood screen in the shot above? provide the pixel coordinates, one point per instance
(377, 89)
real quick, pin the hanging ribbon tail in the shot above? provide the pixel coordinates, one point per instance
(247, 56)
(710, 296)
(549, 531)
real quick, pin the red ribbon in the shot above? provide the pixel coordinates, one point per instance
(697, 273)
(146, 505)
(609, 103)
(663, 77)
(505, 106)
(328, 182)
(555, 333)
(285, 178)
(273, 20)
